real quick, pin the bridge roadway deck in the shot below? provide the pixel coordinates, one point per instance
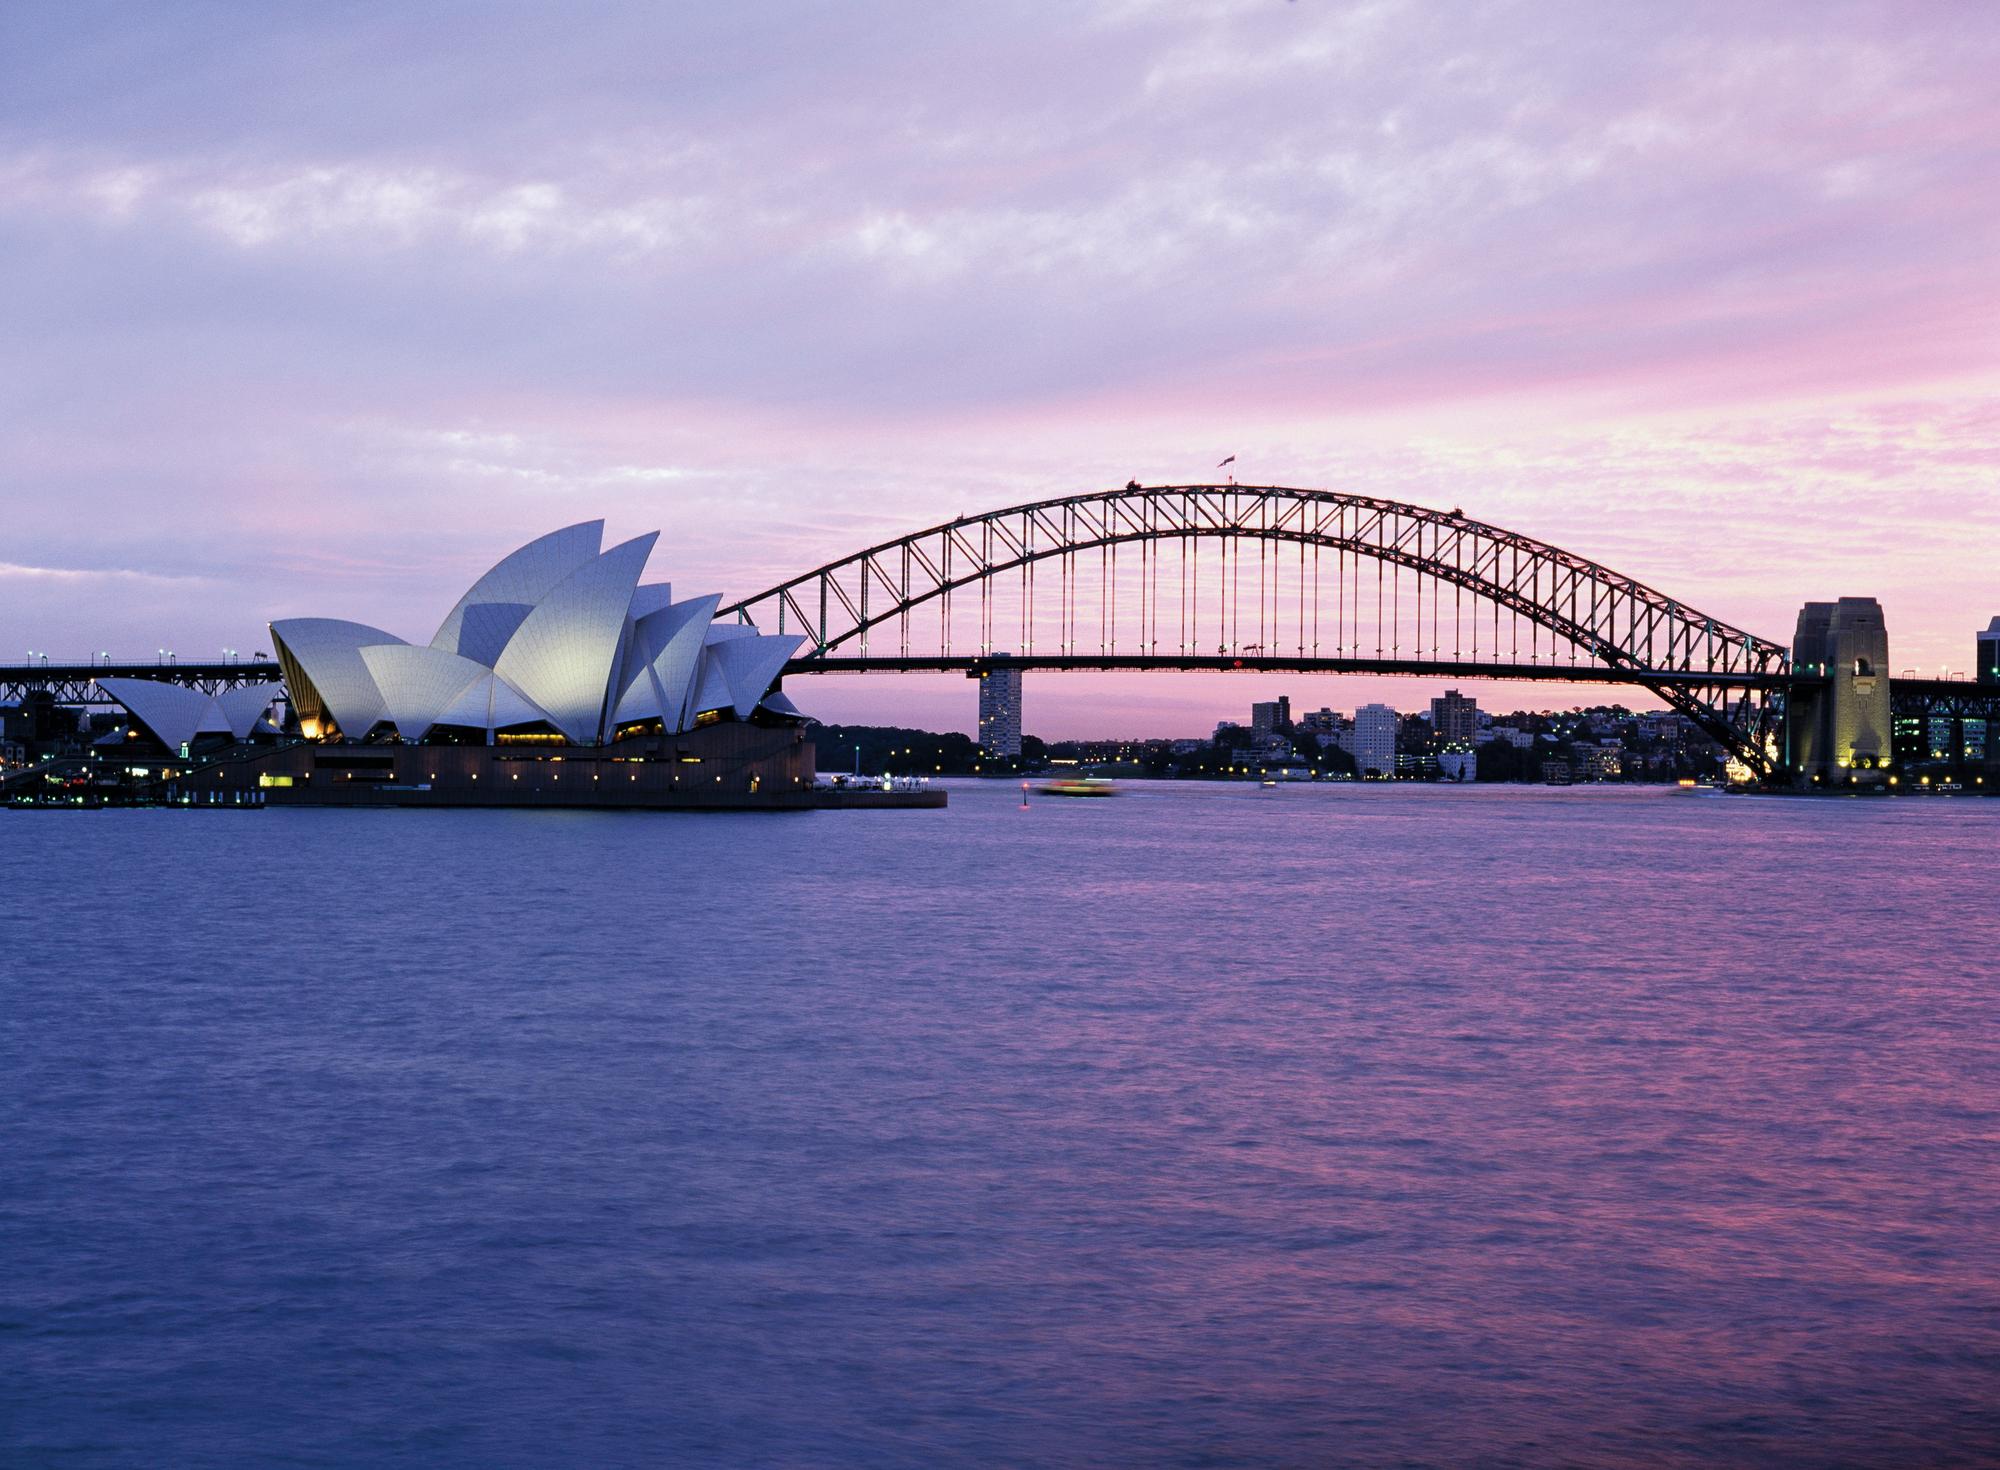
(1279, 664)
(76, 683)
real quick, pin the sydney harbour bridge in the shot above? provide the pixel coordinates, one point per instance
(1255, 578)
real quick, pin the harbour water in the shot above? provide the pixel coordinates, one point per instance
(1210, 1126)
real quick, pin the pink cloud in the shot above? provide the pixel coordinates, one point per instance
(329, 309)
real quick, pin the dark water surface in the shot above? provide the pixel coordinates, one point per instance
(1212, 1126)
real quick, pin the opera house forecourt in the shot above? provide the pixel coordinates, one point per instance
(558, 679)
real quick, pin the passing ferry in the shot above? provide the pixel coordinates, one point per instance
(1080, 786)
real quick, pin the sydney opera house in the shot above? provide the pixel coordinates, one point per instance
(559, 678)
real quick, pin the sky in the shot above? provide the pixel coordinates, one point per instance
(319, 310)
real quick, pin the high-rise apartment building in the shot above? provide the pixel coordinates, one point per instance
(1272, 716)
(1000, 713)
(1372, 741)
(1455, 718)
(1989, 654)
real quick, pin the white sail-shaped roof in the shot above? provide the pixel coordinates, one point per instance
(651, 597)
(626, 685)
(670, 640)
(490, 703)
(419, 684)
(518, 580)
(712, 689)
(776, 702)
(244, 705)
(174, 713)
(486, 627)
(326, 654)
(558, 634)
(752, 665)
(566, 650)
(641, 699)
(511, 707)
(473, 708)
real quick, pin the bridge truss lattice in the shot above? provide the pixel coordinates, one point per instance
(1269, 577)
(76, 684)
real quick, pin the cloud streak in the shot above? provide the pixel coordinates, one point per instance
(95, 574)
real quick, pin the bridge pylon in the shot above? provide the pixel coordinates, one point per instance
(1839, 724)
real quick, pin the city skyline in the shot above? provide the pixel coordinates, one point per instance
(1700, 294)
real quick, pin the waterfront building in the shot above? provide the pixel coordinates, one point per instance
(559, 678)
(1372, 741)
(38, 723)
(1272, 716)
(1598, 762)
(1265, 749)
(1458, 763)
(559, 643)
(1988, 665)
(1000, 713)
(1454, 717)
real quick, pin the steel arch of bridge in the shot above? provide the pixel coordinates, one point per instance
(1617, 629)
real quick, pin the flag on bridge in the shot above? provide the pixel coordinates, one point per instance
(1227, 462)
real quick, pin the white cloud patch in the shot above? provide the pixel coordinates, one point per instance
(77, 575)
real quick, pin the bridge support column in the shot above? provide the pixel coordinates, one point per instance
(1986, 669)
(1838, 727)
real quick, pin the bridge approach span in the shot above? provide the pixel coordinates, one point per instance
(76, 684)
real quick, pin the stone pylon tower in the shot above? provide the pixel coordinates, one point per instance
(1840, 732)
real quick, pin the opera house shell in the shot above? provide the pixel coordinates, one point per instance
(179, 717)
(560, 642)
(559, 678)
